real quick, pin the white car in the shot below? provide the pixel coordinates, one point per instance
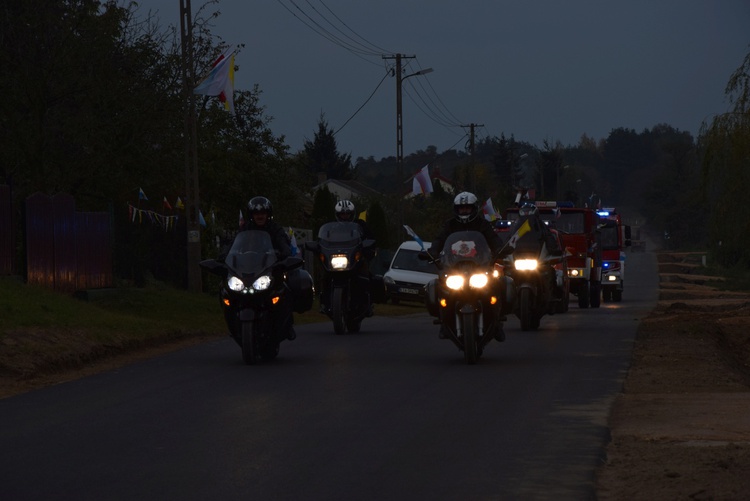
(407, 276)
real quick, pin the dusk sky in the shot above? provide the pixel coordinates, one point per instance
(538, 70)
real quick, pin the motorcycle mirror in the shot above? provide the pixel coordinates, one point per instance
(213, 266)
(292, 262)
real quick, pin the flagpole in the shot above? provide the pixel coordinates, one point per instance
(192, 199)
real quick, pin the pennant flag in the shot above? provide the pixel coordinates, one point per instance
(414, 236)
(489, 210)
(363, 215)
(141, 195)
(201, 220)
(166, 204)
(524, 229)
(293, 242)
(179, 203)
(220, 81)
(242, 219)
(422, 184)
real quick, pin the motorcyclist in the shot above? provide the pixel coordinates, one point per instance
(345, 213)
(539, 229)
(540, 235)
(261, 219)
(466, 212)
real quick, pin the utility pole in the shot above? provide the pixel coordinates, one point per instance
(398, 73)
(192, 198)
(472, 174)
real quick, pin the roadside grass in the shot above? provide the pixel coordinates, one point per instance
(42, 331)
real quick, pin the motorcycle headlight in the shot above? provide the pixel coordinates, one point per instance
(478, 281)
(235, 284)
(339, 262)
(262, 283)
(454, 282)
(525, 264)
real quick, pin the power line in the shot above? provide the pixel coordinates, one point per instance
(363, 104)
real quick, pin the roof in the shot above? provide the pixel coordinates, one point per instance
(345, 189)
(412, 245)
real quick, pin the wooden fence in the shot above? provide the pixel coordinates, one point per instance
(65, 250)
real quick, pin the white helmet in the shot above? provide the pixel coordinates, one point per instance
(344, 210)
(465, 206)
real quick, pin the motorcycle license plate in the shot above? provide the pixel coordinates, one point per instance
(404, 290)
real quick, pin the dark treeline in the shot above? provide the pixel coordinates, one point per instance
(91, 104)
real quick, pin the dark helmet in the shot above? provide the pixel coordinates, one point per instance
(260, 204)
(527, 209)
(463, 201)
(344, 210)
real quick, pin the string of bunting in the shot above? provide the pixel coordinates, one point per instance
(137, 215)
(162, 220)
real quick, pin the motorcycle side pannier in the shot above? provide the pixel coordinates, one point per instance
(377, 289)
(301, 284)
(431, 299)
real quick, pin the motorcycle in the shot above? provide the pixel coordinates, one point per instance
(258, 294)
(470, 298)
(341, 250)
(538, 277)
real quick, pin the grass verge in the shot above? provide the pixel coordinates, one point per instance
(44, 332)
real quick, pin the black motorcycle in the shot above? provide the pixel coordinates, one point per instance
(341, 250)
(258, 294)
(532, 267)
(470, 297)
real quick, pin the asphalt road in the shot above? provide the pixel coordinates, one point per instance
(392, 413)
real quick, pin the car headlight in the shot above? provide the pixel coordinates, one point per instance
(388, 280)
(454, 282)
(262, 283)
(478, 281)
(339, 262)
(525, 264)
(235, 284)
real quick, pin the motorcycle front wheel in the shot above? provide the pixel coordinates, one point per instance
(469, 328)
(249, 349)
(337, 311)
(525, 310)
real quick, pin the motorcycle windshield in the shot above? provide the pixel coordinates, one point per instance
(336, 234)
(530, 243)
(466, 246)
(252, 253)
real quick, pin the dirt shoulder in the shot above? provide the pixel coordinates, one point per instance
(681, 427)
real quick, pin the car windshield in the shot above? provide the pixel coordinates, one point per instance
(572, 222)
(466, 246)
(610, 235)
(406, 259)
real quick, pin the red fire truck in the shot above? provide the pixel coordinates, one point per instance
(615, 237)
(580, 236)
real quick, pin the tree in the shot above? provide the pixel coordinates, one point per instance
(322, 154)
(726, 146)
(89, 93)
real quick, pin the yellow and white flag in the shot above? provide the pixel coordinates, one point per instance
(220, 81)
(521, 231)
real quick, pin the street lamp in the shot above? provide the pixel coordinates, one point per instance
(399, 117)
(399, 125)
